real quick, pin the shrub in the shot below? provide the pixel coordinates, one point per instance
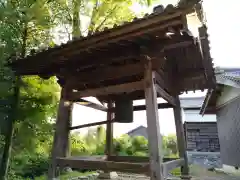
(30, 166)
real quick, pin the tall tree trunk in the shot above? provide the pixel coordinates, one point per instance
(12, 115)
(76, 26)
(76, 19)
(93, 18)
(9, 132)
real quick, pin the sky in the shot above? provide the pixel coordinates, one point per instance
(223, 29)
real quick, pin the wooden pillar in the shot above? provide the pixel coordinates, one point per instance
(61, 143)
(109, 131)
(109, 143)
(181, 139)
(153, 128)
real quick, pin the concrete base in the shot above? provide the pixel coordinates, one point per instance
(228, 170)
(108, 175)
(186, 177)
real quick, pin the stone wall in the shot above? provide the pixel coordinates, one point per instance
(205, 159)
(86, 177)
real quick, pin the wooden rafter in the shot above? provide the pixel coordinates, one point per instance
(115, 89)
(127, 32)
(177, 45)
(111, 72)
(87, 103)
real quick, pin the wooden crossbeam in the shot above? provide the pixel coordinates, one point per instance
(92, 157)
(170, 165)
(165, 95)
(129, 159)
(87, 103)
(115, 89)
(177, 45)
(136, 159)
(158, 79)
(111, 72)
(160, 106)
(135, 108)
(206, 100)
(90, 124)
(143, 107)
(139, 168)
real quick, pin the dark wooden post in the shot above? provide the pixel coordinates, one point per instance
(109, 131)
(181, 139)
(109, 143)
(61, 136)
(153, 128)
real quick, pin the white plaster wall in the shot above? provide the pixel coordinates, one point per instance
(229, 93)
(194, 116)
(191, 102)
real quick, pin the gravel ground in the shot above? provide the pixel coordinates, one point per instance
(193, 178)
(196, 172)
(217, 178)
(139, 177)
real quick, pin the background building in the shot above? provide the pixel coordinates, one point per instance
(224, 101)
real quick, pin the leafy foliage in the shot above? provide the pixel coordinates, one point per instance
(94, 144)
(27, 25)
(23, 26)
(29, 165)
(84, 17)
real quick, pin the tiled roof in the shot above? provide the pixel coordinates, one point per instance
(157, 10)
(224, 76)
(228, 76)
(136, 129)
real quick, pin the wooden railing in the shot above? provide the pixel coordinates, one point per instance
(170, 165)
(130, 164)
(77, 163)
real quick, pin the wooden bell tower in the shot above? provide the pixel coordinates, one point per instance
(149, 58)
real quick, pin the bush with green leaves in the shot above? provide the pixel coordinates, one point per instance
(30, 165)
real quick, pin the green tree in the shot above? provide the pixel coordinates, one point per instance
(170, 145)
(78, 145)
(122, 145)
(83, 17)
(27, 25)
(140, 144)
(24, 25)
